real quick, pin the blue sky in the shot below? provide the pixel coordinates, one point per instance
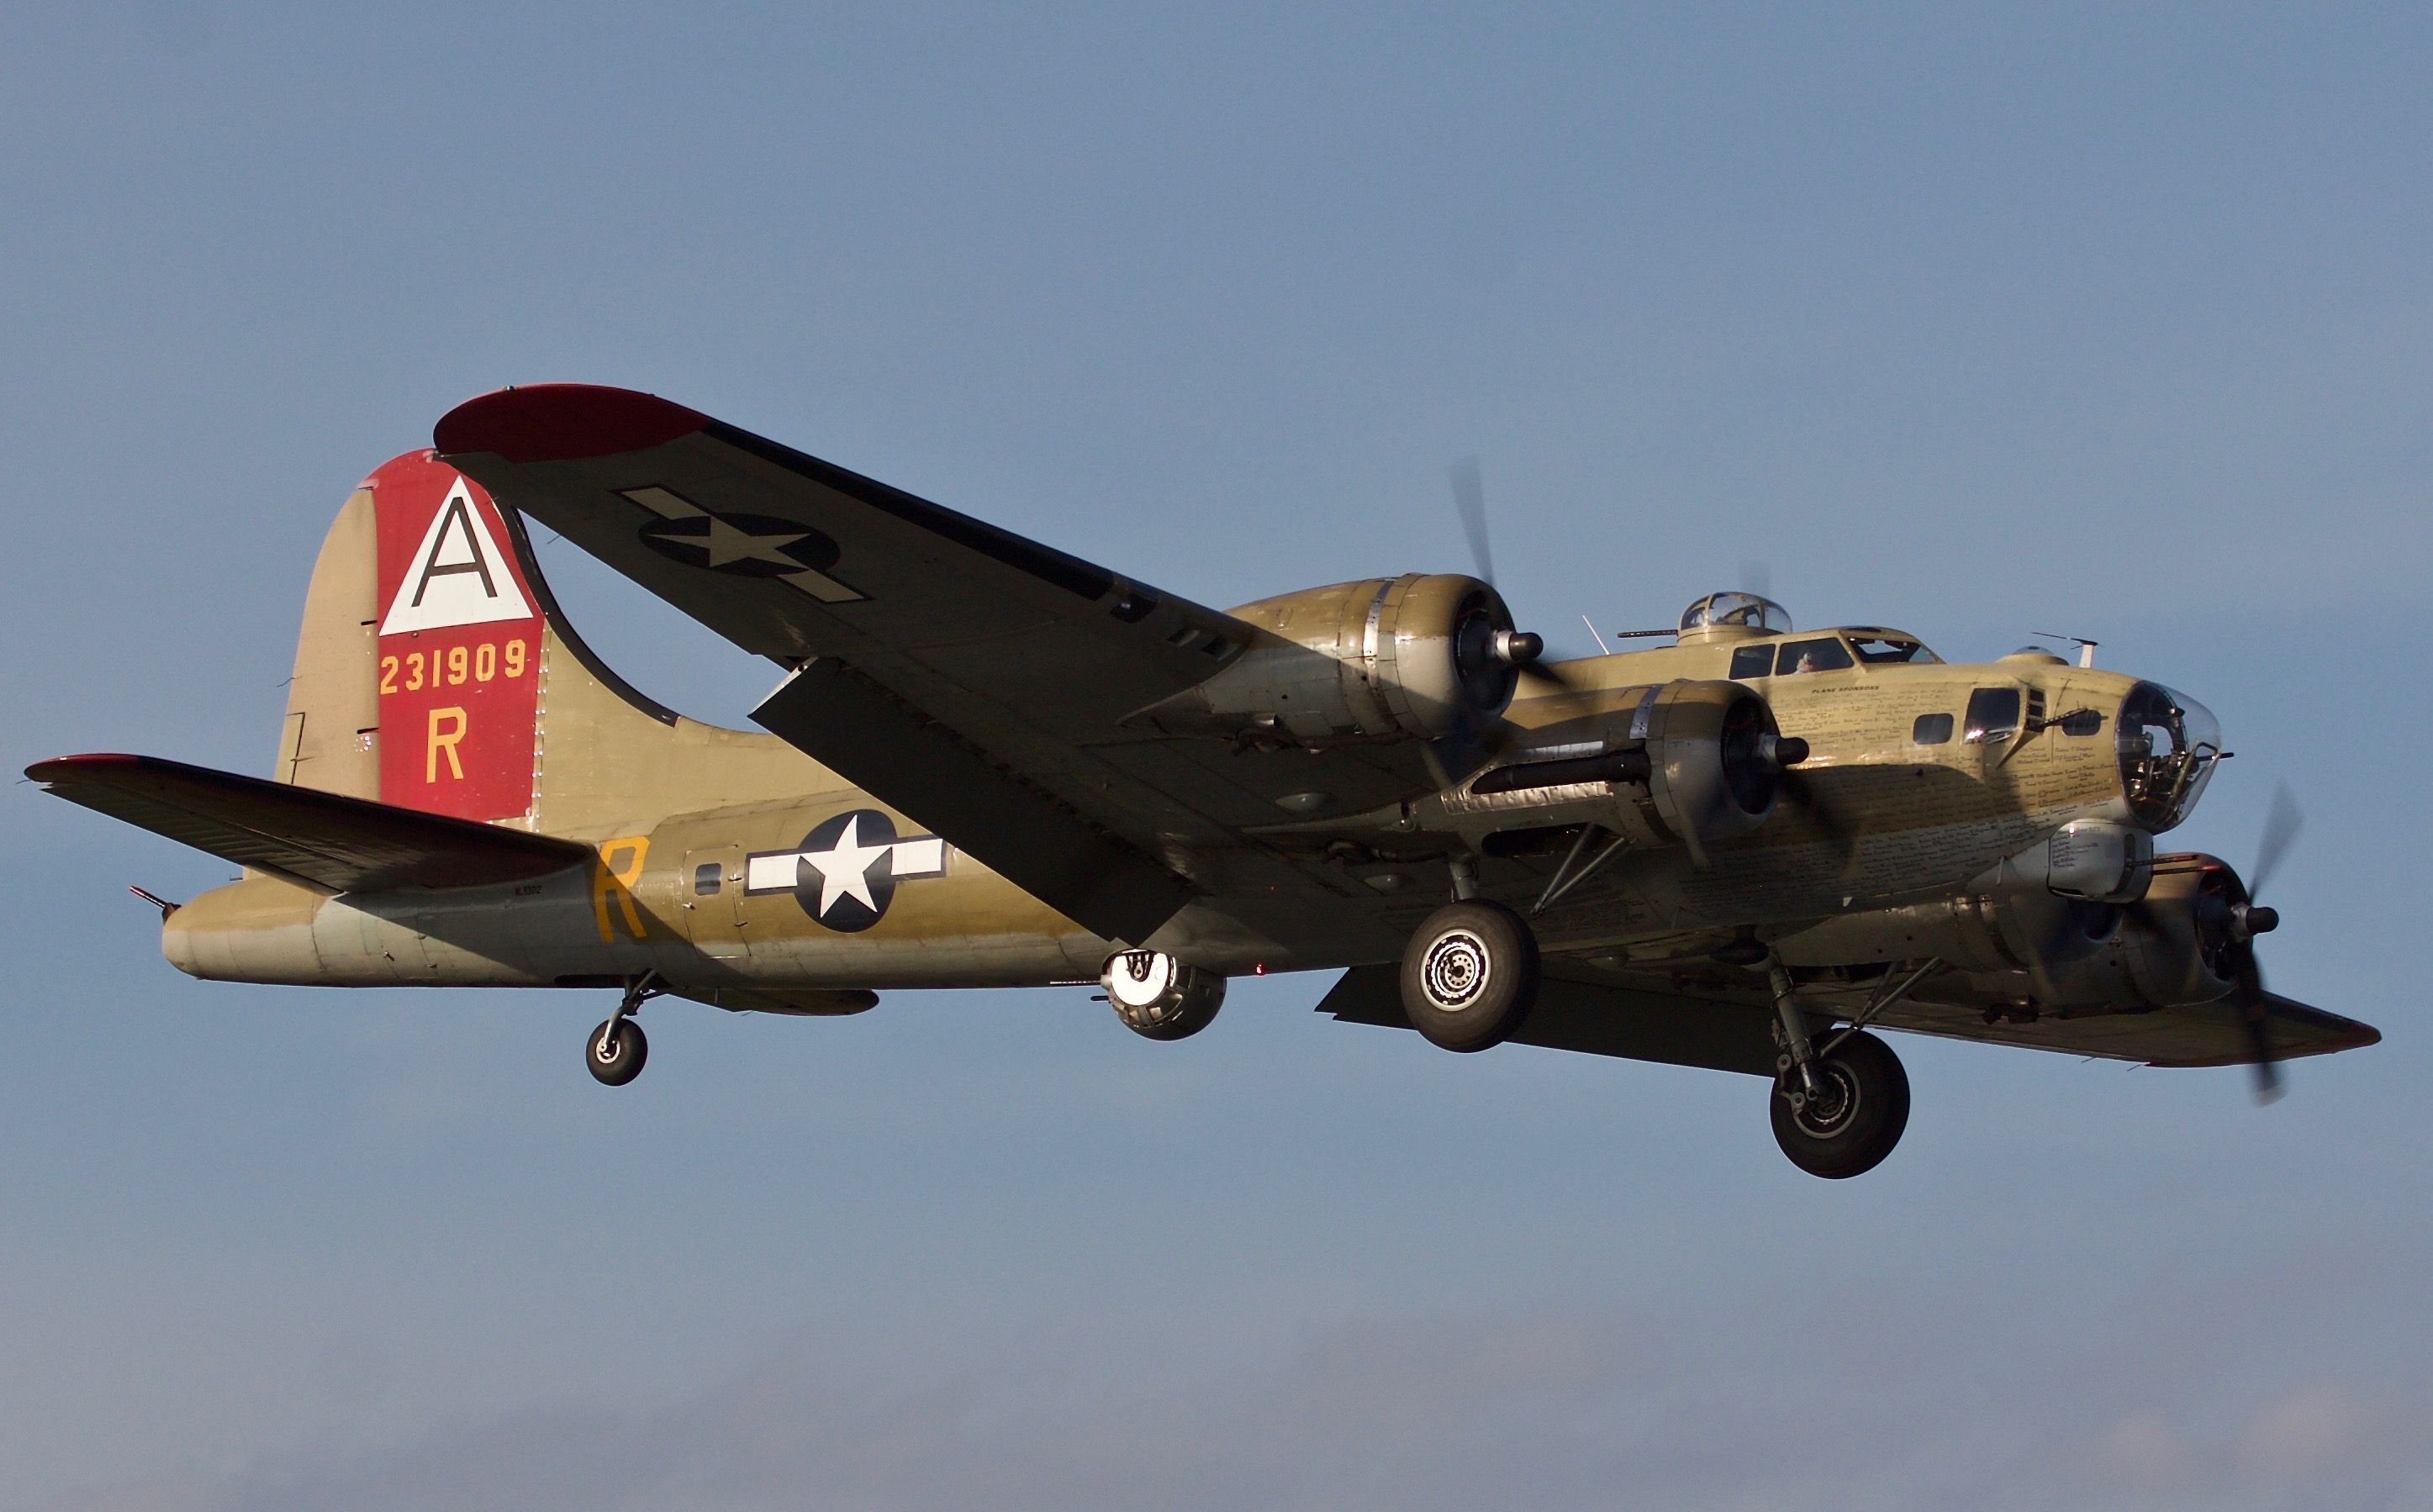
(2101, 320)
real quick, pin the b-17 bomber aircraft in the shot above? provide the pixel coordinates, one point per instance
(993, 764)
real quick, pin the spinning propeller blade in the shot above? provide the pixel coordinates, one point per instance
(1470, 502)
(2283, 820)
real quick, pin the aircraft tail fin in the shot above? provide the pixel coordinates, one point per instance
(419, 669)
(433, 664)
(442, 720)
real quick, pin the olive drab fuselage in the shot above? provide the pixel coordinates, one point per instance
(678, 811)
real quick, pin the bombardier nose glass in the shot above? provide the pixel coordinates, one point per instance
(2168, 745)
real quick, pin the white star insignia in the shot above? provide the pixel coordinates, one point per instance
(726, 544)
(844, 868)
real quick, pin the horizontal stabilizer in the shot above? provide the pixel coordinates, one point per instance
(322, 840)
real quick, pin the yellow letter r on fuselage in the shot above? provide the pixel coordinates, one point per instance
(619, 868)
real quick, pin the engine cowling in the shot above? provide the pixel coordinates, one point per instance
(1420, 656)
(1718, 759)
(2170, 946)
(1692, 763)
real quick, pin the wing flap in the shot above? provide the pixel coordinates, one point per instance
(321, 840)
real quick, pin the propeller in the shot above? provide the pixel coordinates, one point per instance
(2282, 822)
(1810, 793)
(1470, 502)
(1518, 649)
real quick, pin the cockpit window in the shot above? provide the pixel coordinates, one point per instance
(1822, 655)
(1993, 715)
(2168, 745)
(1753, 661)
(1874, 648)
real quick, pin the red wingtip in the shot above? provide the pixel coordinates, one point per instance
(68, 766)
(562, 423)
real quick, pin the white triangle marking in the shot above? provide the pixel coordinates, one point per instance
(459, 575)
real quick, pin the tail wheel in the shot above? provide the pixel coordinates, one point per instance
(1470, 975)
(1854, 1117)
(616, 1052)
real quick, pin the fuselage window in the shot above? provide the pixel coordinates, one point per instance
(1826, 655)
(1753, 661)
(1931, 730)
(1993, 715)
(705, 878)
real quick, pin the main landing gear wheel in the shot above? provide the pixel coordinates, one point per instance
(1853, 1118)
(1470, 975)
(617, 1051)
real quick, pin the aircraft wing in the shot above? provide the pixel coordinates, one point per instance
(324, 841)
(1647, 1016)
(970, 677)
(2192, 1034)
(1578, 1010)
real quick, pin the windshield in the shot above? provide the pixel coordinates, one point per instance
(2169, 745)
(1822, 655)
(1874, 648)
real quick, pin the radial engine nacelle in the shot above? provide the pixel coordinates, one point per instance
(1420, 656)
(2175, 942)
(1691, 763)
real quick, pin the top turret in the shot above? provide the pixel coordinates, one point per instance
(1731, 616)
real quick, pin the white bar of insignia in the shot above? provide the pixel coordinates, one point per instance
(662, 503)
(762, 873)
(822, 587)
(919, 858)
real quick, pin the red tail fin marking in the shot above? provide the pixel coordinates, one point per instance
(460, 643)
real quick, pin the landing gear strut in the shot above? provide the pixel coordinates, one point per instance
(1853, 1118)
(618, 1047)
(1838, 1109)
